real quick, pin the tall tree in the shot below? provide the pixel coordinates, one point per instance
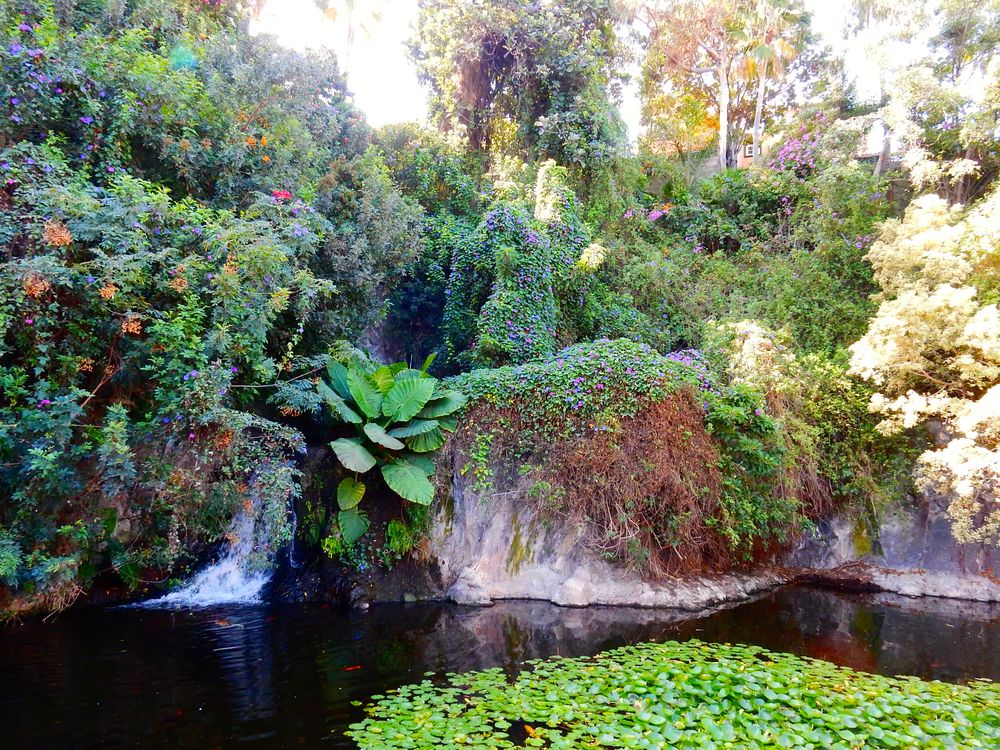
(777, 32)
(355, 16)
(694, 46)
(549, 70)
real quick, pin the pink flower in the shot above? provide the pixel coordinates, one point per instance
(281, 195)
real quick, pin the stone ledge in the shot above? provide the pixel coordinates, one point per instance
(915, 582)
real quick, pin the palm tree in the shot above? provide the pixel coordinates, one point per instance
(771, 47)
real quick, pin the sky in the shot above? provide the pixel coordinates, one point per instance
(379, 72)
(384, 80)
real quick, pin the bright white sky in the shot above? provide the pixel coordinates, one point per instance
(384, 81)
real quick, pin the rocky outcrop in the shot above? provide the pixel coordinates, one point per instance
(485, 546)
(912, 552)
(496, 546)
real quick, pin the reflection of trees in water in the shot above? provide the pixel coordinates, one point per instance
(288, 674)
(245, 654)
(930, 638)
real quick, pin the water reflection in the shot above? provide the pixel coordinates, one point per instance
(285, 676)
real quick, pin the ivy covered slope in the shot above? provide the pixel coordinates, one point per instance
(189, 215)
(672, 468)
(682, 695)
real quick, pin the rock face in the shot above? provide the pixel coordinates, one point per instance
(484, 547)
(493, 547)
(914, 554)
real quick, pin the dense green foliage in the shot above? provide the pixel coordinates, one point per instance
(684, 695)
(596, 389)
(196, 224)
(188, 213)
(514, 74)
(400, 415)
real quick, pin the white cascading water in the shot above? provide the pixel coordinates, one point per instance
(233, 578)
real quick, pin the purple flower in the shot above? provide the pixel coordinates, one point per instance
(15, 101)
(24, 27)
(87, 120)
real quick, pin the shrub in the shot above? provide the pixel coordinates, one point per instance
(933, 352)
(688, 467)
(188, 213)
(400, 415)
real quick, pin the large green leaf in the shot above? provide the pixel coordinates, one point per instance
(444, 404)
(383, 379)
(407, 398)
(366, 395)
(338, 379)
(448, 424)
(377, 434)
(353, 524)
(408, 374)
(414, 428)
(353, 455)
(408, 481)
(349, 493)
(339, 406)
(426, 442)
(422, 461)
(428, 362)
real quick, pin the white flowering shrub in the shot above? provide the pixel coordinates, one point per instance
(933, 351)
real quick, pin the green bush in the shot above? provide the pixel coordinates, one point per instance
(189, 215)
(400, 415)
(592, 388)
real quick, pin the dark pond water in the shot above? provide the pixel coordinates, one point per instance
(284, 677)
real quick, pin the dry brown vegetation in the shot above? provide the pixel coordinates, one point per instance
(647, 489)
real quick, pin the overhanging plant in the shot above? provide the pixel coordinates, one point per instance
(400, 416)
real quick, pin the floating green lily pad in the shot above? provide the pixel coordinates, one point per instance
(683, 695)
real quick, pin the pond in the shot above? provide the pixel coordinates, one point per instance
(274, 676)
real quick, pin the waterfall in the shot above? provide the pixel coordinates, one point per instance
(236, 577)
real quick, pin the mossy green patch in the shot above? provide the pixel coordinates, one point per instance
(683, 695)
(520, 546)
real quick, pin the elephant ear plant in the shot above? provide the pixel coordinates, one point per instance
(401, 416)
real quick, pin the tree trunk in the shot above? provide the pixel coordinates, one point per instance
(723, 110)
(758, 113)
(883, 157)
